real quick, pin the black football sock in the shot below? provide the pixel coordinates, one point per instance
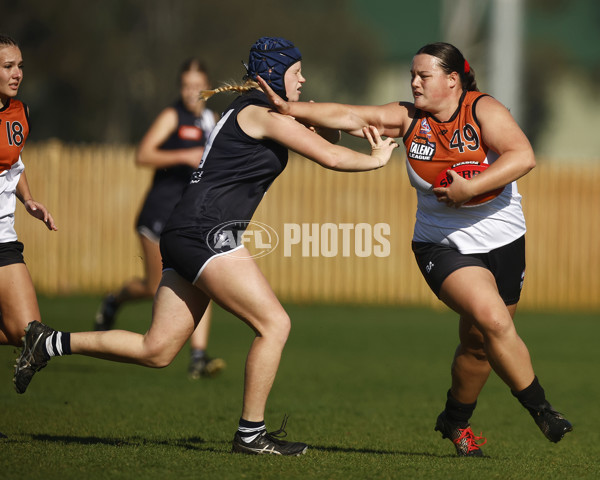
(533, 397)
(457, 412)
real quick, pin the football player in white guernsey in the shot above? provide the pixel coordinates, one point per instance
(18, 301)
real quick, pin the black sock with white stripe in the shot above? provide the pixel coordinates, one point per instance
(250, 430)
(58, 344)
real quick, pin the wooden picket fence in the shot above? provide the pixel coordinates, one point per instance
(94, 193)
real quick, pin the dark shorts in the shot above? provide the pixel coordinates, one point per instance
(188, 251)
(155, 212)
(506, 263)
(11, 253)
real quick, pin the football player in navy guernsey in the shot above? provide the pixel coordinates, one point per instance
(245, 153)
(173, 146)
(18, 301)
(473, 258)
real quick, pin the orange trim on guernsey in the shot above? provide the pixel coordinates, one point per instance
(14, 129)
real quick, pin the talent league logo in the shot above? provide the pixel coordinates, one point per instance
(421, 149)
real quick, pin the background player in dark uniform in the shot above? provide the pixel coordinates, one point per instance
(472, 258)
(18, 302)
(173, 146)
(247, 150)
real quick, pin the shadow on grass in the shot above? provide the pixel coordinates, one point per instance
(199, 444)
(371, 451)
(189, 443)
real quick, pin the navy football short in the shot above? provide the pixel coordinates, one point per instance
(507, 264)
(11, 253)
(188, 251)
(156, 210)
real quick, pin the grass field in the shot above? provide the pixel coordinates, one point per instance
(362, 385)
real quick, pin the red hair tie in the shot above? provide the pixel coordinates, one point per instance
(467, 66)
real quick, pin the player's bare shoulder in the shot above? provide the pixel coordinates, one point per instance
(262, 122)
(398, 117)
(487, 106)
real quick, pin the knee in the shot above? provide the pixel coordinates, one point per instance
(157, 355)
(494, 323)
(277, 328)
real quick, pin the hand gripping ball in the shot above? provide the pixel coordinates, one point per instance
(468, 170)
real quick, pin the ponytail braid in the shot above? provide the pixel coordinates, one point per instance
(246, 87)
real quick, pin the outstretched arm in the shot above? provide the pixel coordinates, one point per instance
(330, 134)
(34, 208)
(391, 119)
(261, 123)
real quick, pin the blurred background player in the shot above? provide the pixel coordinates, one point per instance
(18, 301)
(173, 146)
(472, 258)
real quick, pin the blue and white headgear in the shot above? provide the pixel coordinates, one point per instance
(270, 57)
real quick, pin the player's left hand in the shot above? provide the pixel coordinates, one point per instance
(40, 212)
(380, 148)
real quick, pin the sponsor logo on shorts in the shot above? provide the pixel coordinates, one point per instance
(196, 176)
(522, 280)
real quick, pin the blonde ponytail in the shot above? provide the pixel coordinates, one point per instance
(246, 87)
